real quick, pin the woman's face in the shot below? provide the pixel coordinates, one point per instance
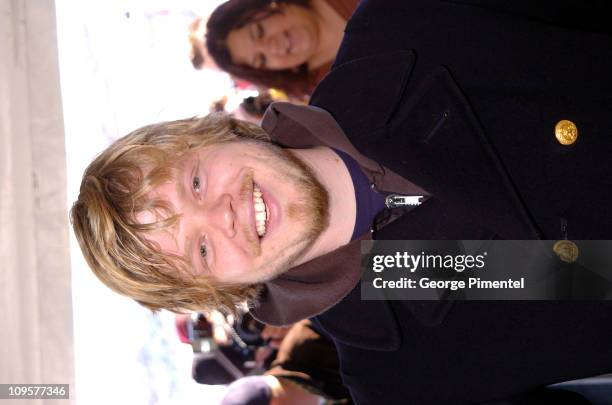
(283, 40)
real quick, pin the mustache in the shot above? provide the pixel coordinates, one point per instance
(245, 196)
(246, 187)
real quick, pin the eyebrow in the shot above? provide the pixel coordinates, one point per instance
(182, 178)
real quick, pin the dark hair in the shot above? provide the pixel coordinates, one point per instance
(257, 106)
(235, 14)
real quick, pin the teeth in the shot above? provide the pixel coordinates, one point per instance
(261, 211)
(259, 205)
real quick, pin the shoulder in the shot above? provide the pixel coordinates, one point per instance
(343, 7)
(361, 93)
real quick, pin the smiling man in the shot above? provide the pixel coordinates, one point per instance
(199, 213)
(211, 205)
(488, 120)
(247, 210)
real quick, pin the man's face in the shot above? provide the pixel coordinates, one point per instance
(247, 209)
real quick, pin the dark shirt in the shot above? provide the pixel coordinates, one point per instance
(369, 202)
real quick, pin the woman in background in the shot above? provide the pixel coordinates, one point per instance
(283, 44)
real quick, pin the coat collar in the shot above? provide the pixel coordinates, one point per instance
(311, 288)
(297, 127)
(321, 284)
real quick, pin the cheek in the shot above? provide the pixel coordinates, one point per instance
(230, 264)
(220, 174)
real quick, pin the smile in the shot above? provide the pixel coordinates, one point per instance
(261, 211)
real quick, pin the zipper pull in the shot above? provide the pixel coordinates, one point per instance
(397, 200)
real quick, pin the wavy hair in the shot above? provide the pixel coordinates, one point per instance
(114, 191)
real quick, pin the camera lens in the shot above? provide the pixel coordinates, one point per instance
(249, 330)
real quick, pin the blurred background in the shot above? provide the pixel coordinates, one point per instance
(76, 75)
(124, 64)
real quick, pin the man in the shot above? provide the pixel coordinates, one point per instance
(489, 115)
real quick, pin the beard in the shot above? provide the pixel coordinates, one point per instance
(309, 212)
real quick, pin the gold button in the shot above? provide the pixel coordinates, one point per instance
(566, 250)
(566, 132)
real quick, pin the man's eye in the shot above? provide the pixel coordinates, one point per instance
(259, 31)
(203, 250)
(196, 184)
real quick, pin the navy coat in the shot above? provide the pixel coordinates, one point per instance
(463, 99)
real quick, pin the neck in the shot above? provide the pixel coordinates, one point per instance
(331, 30)
(333, 175)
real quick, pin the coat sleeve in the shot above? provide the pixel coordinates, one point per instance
(583, 15)
(308, 358)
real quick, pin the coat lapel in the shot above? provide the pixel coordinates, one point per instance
(421, 126)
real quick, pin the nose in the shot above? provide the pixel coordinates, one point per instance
(220, 214)
(275, 45)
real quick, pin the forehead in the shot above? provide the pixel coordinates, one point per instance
(163, 235)
(159, 190)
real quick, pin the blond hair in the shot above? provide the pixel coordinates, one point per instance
(196, 40)
(114, 190)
